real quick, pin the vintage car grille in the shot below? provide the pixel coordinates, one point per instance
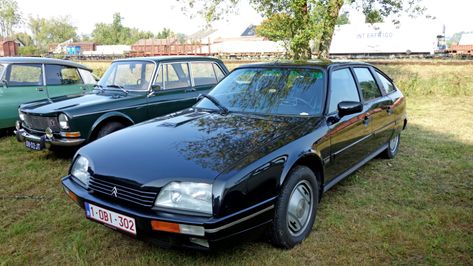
(41, 122)
(122, 192)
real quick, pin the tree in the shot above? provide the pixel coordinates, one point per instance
(165, 33)
(298, 22)
(10, 17)
(117, 33)
(343, 19)
(54, 30)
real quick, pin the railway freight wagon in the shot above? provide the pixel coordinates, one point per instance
(384, 39)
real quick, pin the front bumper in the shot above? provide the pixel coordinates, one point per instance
(22, 135)
(218, 231)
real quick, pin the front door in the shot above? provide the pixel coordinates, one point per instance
(349, 135)
(63, 80)
(22, 83)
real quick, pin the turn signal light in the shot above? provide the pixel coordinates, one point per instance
(71, 195)
(70, 134)
(178, 228)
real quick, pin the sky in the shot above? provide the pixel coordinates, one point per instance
(153, 15)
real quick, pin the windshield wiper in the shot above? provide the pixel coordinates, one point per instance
(100, 87)
(115, 86)
(222, 108)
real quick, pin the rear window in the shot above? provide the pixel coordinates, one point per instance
(368, 86)
(25, 75)
(388, 87)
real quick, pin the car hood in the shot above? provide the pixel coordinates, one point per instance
(193, 146)
(67, 103)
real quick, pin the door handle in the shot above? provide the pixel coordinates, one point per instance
(190, 90)
(40, 89)
(366, 120)
(389, 110)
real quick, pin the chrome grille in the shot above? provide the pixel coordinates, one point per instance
(41, 122)
(122, 192)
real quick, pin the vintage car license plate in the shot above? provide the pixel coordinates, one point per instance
(111, 218)
(34, 145)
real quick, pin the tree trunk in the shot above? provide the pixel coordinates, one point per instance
(331, 16)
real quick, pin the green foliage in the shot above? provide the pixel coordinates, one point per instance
(116, 33)
(165, 33)
(10, 17)
(24, 38)
(373, 16)
(54, 30)
(29, 50)
(343, 19)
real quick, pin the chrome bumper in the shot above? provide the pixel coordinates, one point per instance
(22, 136)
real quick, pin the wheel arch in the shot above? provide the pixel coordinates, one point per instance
(107, 118)
(313, 161)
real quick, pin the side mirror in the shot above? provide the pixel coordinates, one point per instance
(348, 108)
(154, 89)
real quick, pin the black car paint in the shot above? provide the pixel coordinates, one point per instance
(246, 157)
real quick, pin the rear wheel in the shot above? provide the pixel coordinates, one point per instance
(109, 128)
(393, 147)
(295, 208)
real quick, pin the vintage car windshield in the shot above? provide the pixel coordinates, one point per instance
(129, 75)
(275, 91)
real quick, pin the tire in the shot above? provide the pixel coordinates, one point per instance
(109, 128)
(393, 147)
(285, 232)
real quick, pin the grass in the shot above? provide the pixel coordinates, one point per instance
(415, 209)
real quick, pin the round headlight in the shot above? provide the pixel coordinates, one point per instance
(189, 196)
(80, 170)
(63, 121)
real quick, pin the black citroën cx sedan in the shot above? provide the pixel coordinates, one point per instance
(254, 154)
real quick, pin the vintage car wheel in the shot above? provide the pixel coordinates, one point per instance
(295, 209)
(109, 128)
(393, 147)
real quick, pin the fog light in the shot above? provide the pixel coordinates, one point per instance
(49, 133)
(178, 228)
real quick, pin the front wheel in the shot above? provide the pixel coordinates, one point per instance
(295, 208)
(109, 128)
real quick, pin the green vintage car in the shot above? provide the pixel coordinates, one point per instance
(27, 79)
(131, 91)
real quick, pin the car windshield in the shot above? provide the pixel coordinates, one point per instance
(275, 91)
(128, 75)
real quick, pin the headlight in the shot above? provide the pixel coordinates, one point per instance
(63, 121)
(21, 115)
(80, 170)
(187, 196)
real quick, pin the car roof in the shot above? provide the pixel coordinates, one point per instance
(158, 59)
(40, 60)
(309, 63)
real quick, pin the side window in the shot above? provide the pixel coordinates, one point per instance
(368, 86)
(203, 73)
(173, 76)
(218, 72)
(387, 85)
(62, 75)
(343, 88)
(25, 75)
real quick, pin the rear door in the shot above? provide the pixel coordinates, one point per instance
(378, 107)
(349, 135)
(205, 75)
(175, 89)
(22, 83)
(63, 80)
